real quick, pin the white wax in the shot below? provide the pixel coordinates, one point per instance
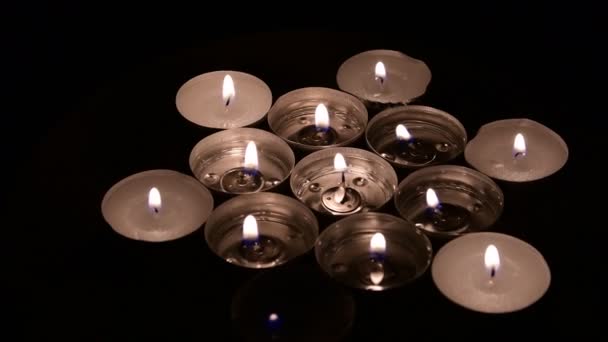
(185, 206)
(460, 274)
(406, 77)
(201, 101)
(491, 151)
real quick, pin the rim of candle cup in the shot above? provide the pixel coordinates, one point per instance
(416, 114)
(520, 122)
(345, 75)
(205, 120)
(207, 148)
(153, 236)
(485, 239)
(281, 113)
(345, 230)
(263, 206)
(326, 157)
(453, 175)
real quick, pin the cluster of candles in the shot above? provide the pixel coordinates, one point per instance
(483, 271)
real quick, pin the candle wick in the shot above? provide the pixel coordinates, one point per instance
(492, 272)
(343, 179)
(156, 210)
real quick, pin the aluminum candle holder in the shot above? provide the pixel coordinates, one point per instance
(384, 77)
(343, 181)
(261, 230)
(373, 251)
(449, 200)
(416, 136)
(242, 160)
(316, 118)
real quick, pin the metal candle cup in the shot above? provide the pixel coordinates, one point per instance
(448, 200)
(292, 117)
(284, 229)
(220, 162)
(430, 136)
(366, 182)
(373, 251)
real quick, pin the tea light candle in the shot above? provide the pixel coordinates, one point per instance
(156, 205)
(516, 150)
(415, 136)
(491, 272)
(224, 99)
(384, 76)
(241, 161)
(315, 118)
(449, 200)
(373, 251)
(261, 230)
(343, 181)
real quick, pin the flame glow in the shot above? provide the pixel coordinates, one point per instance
(431, 198)
(339, 162)
(273, 317)
(377, 244)
(519, 145)
(376, 276)
(251, 156)
(250, 228)
(321, 117)
(228, 90)
(402, 133)
(491, 259)
(154, 200)
(380, 71)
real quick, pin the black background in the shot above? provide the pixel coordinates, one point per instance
(91, 100)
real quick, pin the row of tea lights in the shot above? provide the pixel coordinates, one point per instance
(487, 272)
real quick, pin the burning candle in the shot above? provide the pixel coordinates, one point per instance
(384, 76)
(373, 251)
(448, 200)
(415, 136)
(241, 160)
(224, 99)
(157, 205)
(261, 230)
(491, 272)
(343, 181)
(516, 150)
(315, 118)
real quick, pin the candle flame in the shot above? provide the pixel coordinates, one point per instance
(402, 133)
(273, 317)
(519, 145)
(431, 198)
(321, 117)
(251, 156)
(250, 228)
(377, 245)
(380, 71)
(154, 200)
(492, 259)
(228, 90)
(376, 276)
(339, 162)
